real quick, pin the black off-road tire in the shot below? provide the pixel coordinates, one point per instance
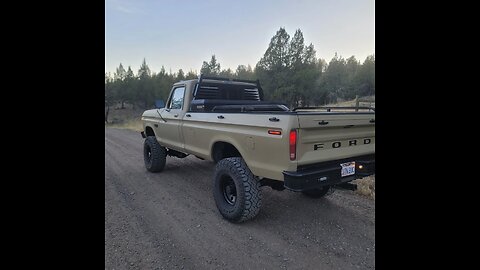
(317, 193)
(233, 174)
(154, 155)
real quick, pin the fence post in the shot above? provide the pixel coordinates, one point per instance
(357, 102)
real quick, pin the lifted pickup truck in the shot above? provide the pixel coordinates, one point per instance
(256, 143)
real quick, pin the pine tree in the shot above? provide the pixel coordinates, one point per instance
(211, 68)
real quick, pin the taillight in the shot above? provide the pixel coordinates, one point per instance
(274, 132)
(293, 144)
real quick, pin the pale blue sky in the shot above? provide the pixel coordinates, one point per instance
(183, 34)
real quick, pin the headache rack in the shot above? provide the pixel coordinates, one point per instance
(211, 92)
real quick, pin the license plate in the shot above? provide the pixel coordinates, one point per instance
(348, 168)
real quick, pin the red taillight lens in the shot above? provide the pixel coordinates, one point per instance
(293, 144)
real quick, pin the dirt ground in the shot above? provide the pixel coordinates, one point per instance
(169, 220)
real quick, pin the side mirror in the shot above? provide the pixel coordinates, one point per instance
(159, 104)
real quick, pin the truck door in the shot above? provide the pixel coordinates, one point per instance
(170, 131)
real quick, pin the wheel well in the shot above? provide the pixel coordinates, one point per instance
(221, 150)
(149, 131)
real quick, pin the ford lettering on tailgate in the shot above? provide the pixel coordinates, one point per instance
(339, 144)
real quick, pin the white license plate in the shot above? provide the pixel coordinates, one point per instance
(348, 168)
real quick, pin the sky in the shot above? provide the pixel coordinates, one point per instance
(182, 34)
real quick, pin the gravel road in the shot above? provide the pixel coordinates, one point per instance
(169, 220)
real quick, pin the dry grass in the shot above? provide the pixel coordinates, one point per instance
(127, 118)
(135, 124)
(366, 186)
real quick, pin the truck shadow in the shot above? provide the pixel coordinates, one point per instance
(278, 207)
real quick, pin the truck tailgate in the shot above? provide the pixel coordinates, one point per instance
(331, 136)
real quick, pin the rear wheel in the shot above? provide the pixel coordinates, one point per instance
(237, 192)
(317, 193)
(154, 155)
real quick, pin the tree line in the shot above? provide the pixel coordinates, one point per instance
(289, 72)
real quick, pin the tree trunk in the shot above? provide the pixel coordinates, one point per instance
(106, 114)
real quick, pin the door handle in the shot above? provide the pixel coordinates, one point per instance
(323, 122)
(372, 121)
(188, 115)
(175, 115)
(274, 119)
(220, 117)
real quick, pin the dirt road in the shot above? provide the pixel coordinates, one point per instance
(169, 220)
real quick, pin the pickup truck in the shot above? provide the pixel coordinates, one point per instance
(256, 143)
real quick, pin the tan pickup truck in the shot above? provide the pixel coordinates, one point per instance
(256, 143)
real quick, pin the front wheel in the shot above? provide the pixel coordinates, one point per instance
(237, 192)
(154, 155)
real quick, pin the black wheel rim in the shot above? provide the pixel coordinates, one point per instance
(148, 153)
(228, 189)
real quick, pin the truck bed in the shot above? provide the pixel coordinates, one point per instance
(344, 134)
